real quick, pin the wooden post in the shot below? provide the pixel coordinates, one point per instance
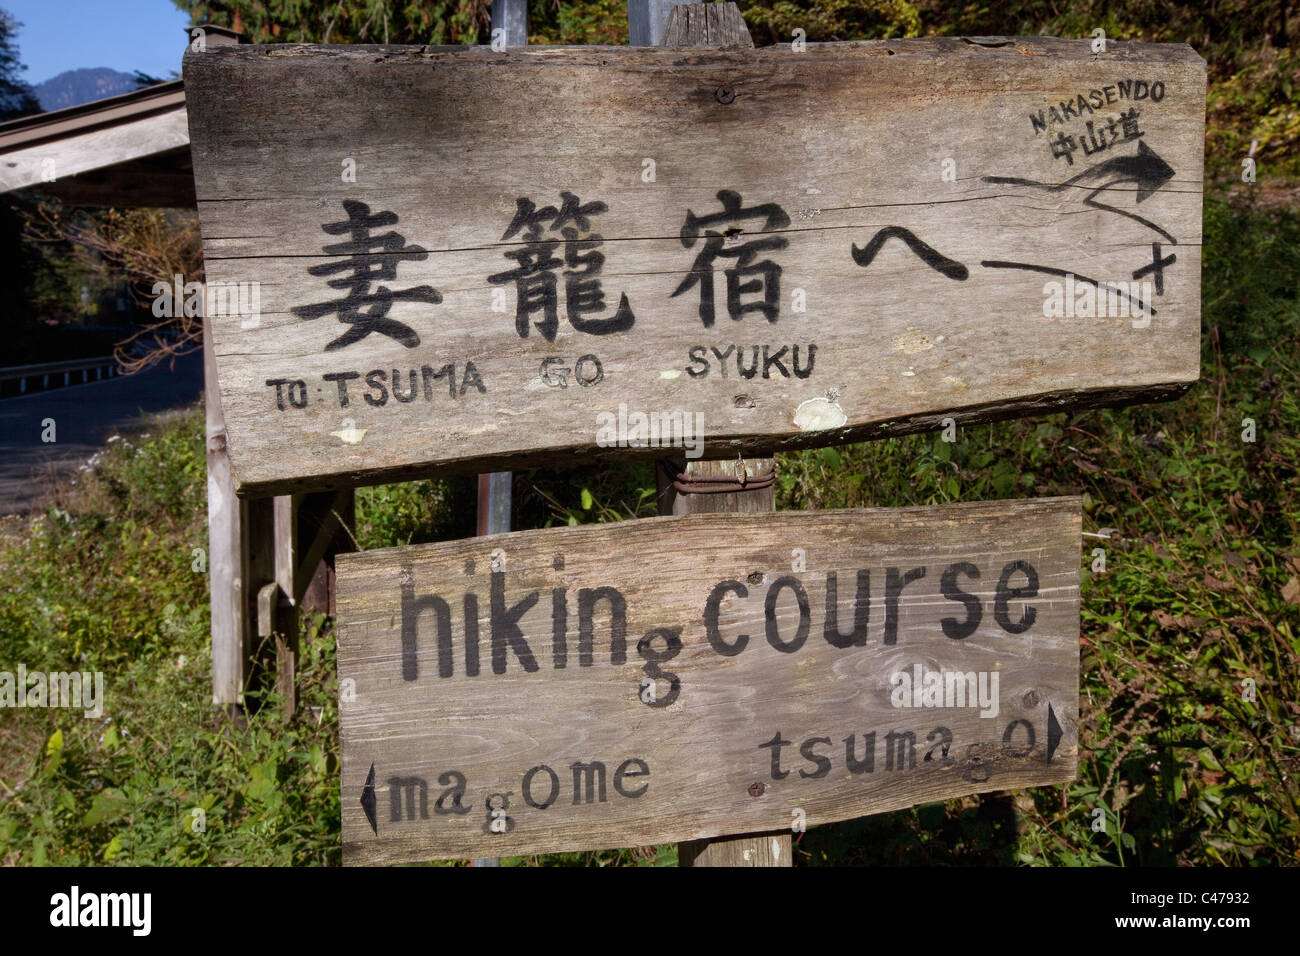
(245, 557)
(224, 561)
(717, 25)
(771, 849)
(277, 622)
(283, 616)
(268, 559)
(307, 531)
(324, 524)
(257, 573)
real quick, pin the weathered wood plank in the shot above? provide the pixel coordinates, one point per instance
(225, 562)
(324, 525)
(851, 142)
(714, 25)
(160, 181)
(768, 849)
(986, 588)
(99, 148)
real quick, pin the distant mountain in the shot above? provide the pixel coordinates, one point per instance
(74, 87)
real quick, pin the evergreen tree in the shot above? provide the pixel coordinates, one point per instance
(16, 97)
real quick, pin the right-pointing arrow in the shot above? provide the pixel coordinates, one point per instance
(368, 796)
(1054, 733)
(1146, 168)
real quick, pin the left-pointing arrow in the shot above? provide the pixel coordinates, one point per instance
(368, 799)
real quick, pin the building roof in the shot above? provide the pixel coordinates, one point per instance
(127, 150)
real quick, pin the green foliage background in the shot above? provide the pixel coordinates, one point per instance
(1201, 591)
(1247, 44)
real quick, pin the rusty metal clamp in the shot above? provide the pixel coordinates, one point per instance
(688, 484)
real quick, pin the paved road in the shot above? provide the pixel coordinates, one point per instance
(84, 415)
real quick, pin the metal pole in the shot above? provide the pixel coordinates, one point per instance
(510, 17)
(493, 518)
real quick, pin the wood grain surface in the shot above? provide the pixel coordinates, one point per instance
(656, 681)
(898, 205)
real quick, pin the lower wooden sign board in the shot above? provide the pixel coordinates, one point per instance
(688, 677)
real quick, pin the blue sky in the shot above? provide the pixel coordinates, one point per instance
(126, 35)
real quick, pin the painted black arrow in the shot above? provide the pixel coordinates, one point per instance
(368, 799)
(1145, 168)
(1053, 733)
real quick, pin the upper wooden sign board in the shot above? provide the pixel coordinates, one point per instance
(682, 678)
(456, 259)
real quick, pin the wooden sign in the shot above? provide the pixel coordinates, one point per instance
(439, 259)
(686, 677)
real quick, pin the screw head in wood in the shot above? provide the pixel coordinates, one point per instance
(724, 94)
(756, 789)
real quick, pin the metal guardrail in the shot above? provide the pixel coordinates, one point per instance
(57, 374)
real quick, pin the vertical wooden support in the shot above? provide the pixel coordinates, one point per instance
(717, 25)
(225, 556)
(768, 849)
(771, 849)
(257, 546)
(281, 619)
(268, 560)
(284, 521)
(710, 25)
(277, 623)
(324, 525)
(309, 530)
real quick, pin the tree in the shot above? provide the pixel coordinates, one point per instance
(143, 246)
(17, 261)
(347, 21)
(16, 97)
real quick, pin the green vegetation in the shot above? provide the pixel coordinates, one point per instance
(1246, 44)
(1201, 590)
(108, 580)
